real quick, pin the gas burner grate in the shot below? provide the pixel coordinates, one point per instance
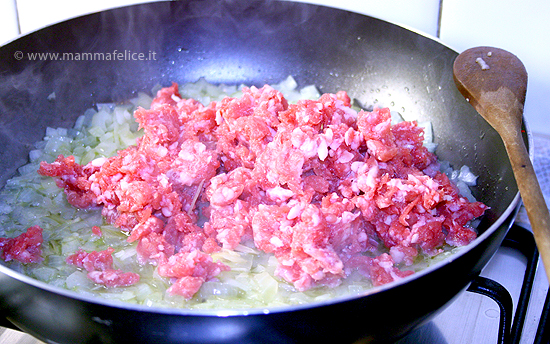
(522, 240)
(543, 332)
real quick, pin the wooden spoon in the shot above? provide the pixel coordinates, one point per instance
(494, 81)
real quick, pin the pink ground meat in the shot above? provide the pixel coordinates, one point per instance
(92, 261)
(25, 248)
(100, 268)
(113, 278)
(316, 183)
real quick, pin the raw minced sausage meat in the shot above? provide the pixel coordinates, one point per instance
(316, 183)
(99, 266)
(25, 248)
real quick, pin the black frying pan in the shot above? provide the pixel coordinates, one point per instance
(252, 42)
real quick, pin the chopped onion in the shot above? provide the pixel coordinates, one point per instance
(29, 199)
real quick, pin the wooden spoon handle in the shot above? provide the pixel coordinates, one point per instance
(532, 196)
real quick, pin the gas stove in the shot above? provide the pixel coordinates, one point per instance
(514, 277)
(507, 303)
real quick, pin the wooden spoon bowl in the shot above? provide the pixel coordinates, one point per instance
(494, 81)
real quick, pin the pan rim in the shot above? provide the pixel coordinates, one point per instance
(512, 207)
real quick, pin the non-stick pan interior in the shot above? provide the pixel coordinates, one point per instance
(251, 42)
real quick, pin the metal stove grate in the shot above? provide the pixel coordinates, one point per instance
(522, 240)
(543, 332)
